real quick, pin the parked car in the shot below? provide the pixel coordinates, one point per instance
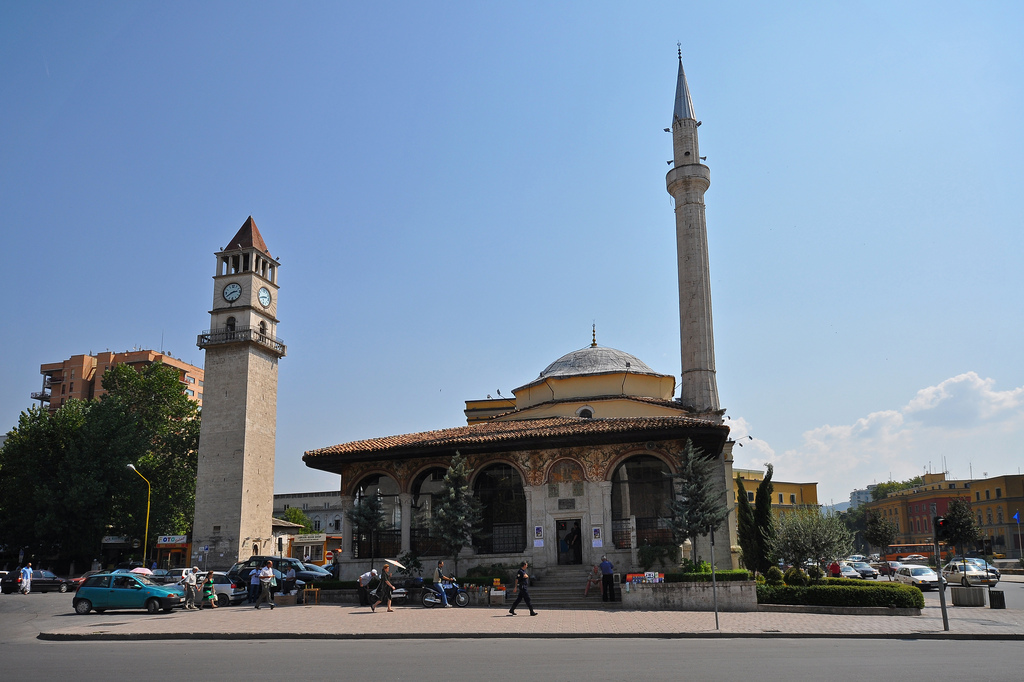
(981, 563)
(240, 571)
(889, 567)
(227, 591)
(125, 591)
(920, 577)
(320, 570)
(855, 558)
(77, 582)
(42, 581)
(967, 574)
(914, 559)
(865, 570)
(848, 571)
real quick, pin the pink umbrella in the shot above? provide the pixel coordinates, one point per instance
(143, 570)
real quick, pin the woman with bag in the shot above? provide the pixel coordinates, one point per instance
(208, 592)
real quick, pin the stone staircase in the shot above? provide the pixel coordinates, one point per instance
(561, 587)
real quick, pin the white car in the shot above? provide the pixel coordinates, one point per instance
(967, 574)
(226, 591)
(848, 571)
(920, 577)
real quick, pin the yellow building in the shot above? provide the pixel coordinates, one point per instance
(785, 497)
(994, 502)
(80, 376)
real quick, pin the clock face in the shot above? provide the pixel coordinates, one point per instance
(264, 296)
(232, 291)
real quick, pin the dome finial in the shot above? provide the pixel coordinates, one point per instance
(593, 337)
(679, 51)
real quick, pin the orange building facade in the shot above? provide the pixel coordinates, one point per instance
(80, 376)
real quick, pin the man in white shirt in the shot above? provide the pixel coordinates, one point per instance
(188, 579)
(266, 582)
(364, 584)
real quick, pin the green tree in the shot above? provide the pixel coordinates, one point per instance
(367, 517)
(64, 477)
(961, 530)
(856, 522)
(764, 520)
(296, 515)
(880, 533)
(746, 530)
(882, 490)
(804, 534)
(699, 506)
(456, 512)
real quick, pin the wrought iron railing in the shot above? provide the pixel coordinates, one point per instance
(421, 543)
(650, 530)
(502, 538)
(386, 543)
(214, 337)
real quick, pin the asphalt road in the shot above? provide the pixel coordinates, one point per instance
(23, 657)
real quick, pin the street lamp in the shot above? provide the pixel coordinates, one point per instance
(149, 492)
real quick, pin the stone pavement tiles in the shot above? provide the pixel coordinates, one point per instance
(352, 622)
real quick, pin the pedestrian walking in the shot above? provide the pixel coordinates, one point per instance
(384, 589)
(26, 578)
(188, 579)
(267, 581)
(607, 588)
(254, 585)
(523, 588)
(209, 593)
(364, 586)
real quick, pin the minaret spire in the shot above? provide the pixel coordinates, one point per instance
(687, 182)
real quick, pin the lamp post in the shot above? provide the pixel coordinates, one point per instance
(149, 492)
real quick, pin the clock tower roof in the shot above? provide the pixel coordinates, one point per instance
(248, 237)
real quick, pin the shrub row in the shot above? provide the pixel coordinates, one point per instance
(900, 596)
(740, 574)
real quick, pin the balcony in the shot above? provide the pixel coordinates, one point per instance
(218, 337)
(41, 395)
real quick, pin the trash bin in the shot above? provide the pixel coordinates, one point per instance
(996, 599)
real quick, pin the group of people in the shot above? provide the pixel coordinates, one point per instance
(199, 589)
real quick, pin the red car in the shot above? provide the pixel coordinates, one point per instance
(888, 567)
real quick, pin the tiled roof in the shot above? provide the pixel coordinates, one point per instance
(507, 433)
(248, 237)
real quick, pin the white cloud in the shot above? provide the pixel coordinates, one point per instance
(962, 422)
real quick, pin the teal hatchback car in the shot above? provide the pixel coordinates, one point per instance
(125, 591)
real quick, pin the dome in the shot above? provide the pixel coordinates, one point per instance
(595, 360)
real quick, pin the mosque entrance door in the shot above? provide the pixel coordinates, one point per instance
(570, 542)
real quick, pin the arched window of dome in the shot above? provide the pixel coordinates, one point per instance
(499, 488)
(585, 412)
(641, 488)
(386, 542)
(428, 484)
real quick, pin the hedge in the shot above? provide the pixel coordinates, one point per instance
(852, 582)
(900, 596)
(739, 574)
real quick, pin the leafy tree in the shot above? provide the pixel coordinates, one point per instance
(856, 522)
(367, 517)
(746, 530)
(296, 515)
(804, 534)
(64, 477)
(764, 520)
(699, 506)
(456, 512)
(880, 533)
(961, 530)
(882, 490)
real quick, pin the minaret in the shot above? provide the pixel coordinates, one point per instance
(235, 479)
(687, 182)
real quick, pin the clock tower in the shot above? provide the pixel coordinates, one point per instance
(235, 479)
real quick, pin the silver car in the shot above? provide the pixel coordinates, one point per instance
(967, 574)
(921, 577)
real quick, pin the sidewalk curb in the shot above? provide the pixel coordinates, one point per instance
(151, 636)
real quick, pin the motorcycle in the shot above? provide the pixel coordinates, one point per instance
(456, 595)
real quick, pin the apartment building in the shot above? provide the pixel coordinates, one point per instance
(80, 376)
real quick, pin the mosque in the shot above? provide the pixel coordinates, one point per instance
(575, 465)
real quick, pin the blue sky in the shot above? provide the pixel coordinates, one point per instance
(457, 191)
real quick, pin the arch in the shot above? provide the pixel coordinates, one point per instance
(229, 324)
(499, 487)
(427, 483)
(565, 470)
(263, 328)
(585, 412)
(641, 490)
(380, 543)
(615, 463)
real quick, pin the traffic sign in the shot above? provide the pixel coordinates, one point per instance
(329, 556)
